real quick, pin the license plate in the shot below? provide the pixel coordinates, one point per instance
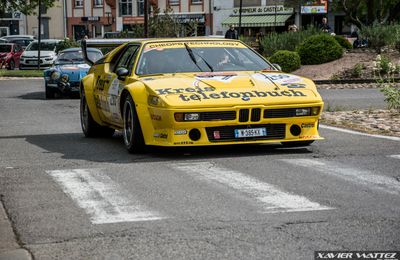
(32, 62)
(250, 132)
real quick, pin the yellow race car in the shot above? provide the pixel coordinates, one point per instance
(195, 92)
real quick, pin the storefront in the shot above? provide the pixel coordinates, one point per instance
(312, 13)
(91, 26)
(10, 23)
(261, 19)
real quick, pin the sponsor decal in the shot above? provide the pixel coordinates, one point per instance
(203, 93)
(307, 125)
(360, 255)
(161, 135)
(155, 117)
(277, 78)
(294, 85)
(183, 142)
(309, 137)
(113, 98)
(194, 44)
(180, 132)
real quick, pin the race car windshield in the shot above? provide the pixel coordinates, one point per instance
(207, 59)
(44, 46)
(5, 48)
(71, 57)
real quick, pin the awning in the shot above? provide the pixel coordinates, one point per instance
(258, 20)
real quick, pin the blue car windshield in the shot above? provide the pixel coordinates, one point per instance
(76, 57)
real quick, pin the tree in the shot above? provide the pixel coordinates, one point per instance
(367, 12)
(25, 6)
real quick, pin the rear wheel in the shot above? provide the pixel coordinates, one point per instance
(89, 127)
(297, 143)
(11, 65)
(132, 132)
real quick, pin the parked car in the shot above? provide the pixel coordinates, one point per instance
(69, 68)
(10, 37)
(23, 42)
(29, 57)
(10, 55)
(195, 92)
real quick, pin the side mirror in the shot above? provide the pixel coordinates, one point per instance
(277, 66)
(122, 73)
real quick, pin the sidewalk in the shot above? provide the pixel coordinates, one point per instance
(9, 248)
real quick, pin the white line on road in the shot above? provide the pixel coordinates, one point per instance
(273, 200)
(395, 156)
(100, 197)
(377, 182)
(393, 138)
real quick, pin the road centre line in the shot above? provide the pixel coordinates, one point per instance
(373, 181)
(101, 198)
(272, 199)
(392, 138)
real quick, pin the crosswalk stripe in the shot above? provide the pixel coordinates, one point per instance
(395, 156)
(100, 197)
(373, 181)
(271, 198)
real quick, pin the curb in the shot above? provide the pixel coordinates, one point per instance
(348, 81)
(18, 254)
(10, 249)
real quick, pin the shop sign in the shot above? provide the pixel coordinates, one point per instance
(90, 18)
(315, 7)
(269, 9)
(132, 19)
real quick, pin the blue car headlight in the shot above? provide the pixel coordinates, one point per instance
(55, 75)
(64, 78)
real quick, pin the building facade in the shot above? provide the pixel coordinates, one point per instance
(186, 11)
(53, 23)
(12, 23)
(91, 18)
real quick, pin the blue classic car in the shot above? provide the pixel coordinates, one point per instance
(68, 70)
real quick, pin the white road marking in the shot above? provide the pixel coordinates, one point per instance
(373, 181)
(100, 197)
(393, 138)
(395, 156)
(272, 199)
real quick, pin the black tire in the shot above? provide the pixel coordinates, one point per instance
(132, 131)
(89, 127)
(297, 143)
(11, 65)
(49, 92)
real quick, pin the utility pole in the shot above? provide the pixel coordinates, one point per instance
(146, 18)
(240, 18)
(39, 32)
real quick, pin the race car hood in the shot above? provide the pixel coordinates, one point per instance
(232, 89)
(75, 71)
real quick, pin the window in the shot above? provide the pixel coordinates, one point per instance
(78, 3)
(173, 2)
(127, 58)
(196, 2)
(98, 3)
(247, 3)
(140, 7)
(125, 7)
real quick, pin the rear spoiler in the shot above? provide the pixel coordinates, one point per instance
(101, 43)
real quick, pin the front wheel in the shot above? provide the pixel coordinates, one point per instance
(132, 132)
(89, 127)
(297, 143)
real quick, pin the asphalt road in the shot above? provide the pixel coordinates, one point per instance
(70, 197)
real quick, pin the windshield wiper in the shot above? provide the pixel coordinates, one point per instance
(191, 54)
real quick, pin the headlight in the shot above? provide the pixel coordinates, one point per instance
(303, 111)
(64, 78)
(180, 117)
(315, 111)
(155, 101)
(55, 75)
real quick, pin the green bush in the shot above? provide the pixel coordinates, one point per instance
(380, 36)
(319, 49)
(357, 70)
(289, 41)
(392, 95)
(288, 60)
(65, 44)
(343, 42)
